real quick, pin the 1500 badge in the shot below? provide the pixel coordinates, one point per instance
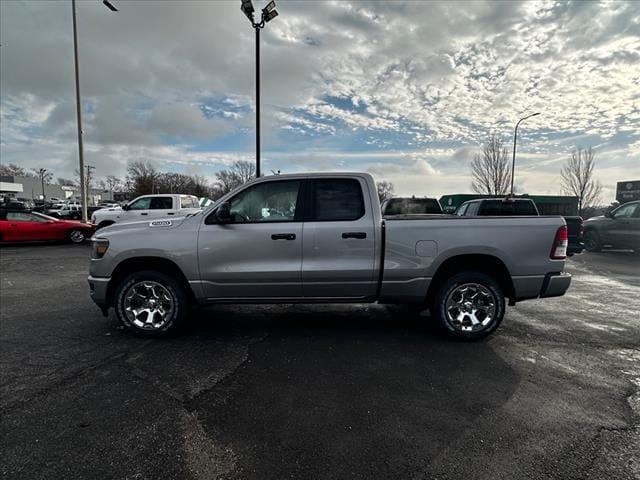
(161, 223)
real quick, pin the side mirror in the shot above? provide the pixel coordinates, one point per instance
(125, 206)
(609, 215)
(223, 213)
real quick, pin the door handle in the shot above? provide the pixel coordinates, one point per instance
(144, 213)
(358, 235)
(283, 236)
(171, 213)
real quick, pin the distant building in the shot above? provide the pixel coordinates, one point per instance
(547, 204)
(628, 191)
(31, 188)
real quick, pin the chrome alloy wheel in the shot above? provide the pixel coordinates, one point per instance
(148, 305)
(470, 307)
(77, 236)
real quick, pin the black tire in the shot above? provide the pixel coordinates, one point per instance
(77, 236)
(492, 291)
(592, 241)
(106, 223)
(176, 291)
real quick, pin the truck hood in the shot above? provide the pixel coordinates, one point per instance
(153, 226)
(109, 209)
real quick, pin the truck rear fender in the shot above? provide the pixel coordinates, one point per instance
(473, 262)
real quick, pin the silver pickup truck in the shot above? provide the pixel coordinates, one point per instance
(320, 238)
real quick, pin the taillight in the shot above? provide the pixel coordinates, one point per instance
(581, 231)
(560, 243)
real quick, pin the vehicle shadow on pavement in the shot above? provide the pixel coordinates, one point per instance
(344, 389)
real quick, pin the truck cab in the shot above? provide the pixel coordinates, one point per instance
(146, 207)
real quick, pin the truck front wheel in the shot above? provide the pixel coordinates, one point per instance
(592, 241)
(151, 303)
(469, 305)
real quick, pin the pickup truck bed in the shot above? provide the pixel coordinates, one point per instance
(322, 238)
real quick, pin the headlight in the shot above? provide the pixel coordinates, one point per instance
(99, 247)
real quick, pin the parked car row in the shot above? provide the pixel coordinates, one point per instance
(619, 228)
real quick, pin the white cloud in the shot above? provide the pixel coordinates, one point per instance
(424, 82)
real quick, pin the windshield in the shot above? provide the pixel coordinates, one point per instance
(404, 206)
(46, 217)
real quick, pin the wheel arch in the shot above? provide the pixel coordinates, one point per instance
(488, 264)
(105, 223)
(137, 264)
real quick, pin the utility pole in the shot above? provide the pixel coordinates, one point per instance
(83, 192)
(268, 14)
(515, 136)
(42, 172)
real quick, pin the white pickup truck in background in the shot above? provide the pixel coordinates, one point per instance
(147, 207)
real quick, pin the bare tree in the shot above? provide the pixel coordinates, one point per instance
(238, 174)
(13, 170)
(113, 183)
(88, 180)
(142, 178)
(577, 178)
(45, 177)
(491, 170)
(385, 190)
(66, 182)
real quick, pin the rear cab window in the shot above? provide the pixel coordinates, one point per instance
(336, 199)
(188, 202)
(507, 208)
(161, 203)
(412, 206)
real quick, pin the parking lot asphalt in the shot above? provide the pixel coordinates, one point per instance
(317, 392)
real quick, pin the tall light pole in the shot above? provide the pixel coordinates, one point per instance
(515, 136)
(268, 14)
(42, 172)
(83, 190)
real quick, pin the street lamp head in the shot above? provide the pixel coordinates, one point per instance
(109, 5)
(270, 6)
(247, 9)
(537, 113)
(270, 15)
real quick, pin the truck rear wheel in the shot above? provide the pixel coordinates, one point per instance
(592, 241)
(151, 303)
(469, 305)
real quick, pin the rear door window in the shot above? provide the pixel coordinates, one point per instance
(161, 203)
(525, 208)
(336, 199)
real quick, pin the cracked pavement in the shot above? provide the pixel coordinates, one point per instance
(323, 392)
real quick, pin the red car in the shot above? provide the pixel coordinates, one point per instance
(17, 226)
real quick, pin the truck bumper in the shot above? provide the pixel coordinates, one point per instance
(555, 284)
(98, 287)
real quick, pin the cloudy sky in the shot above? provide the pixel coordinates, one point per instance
(405, 90)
